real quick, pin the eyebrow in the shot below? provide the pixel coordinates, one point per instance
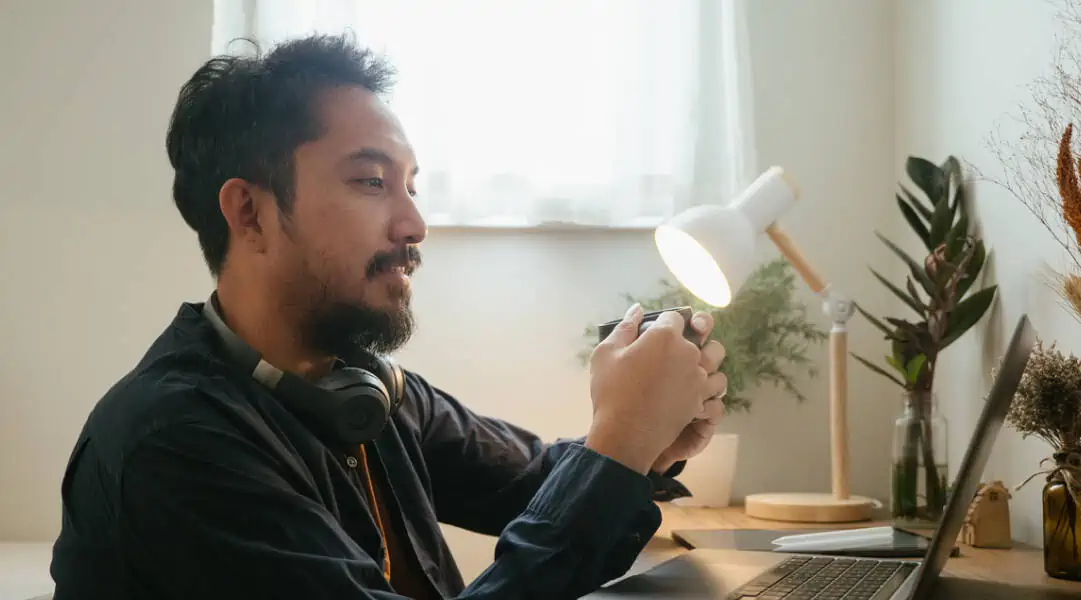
(377, 156)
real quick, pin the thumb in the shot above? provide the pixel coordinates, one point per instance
(627, 329)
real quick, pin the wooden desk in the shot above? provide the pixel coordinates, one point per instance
(1021, 566)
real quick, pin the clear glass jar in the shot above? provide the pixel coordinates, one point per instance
(919, 488)
(1061, 546)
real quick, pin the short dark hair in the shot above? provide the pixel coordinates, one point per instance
(245, 116)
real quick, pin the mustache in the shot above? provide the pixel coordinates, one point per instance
(407, 257)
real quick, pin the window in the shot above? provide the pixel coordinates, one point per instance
(525, 113)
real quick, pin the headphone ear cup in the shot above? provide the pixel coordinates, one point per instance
(362, 404)
(393, 377)
(389, 372)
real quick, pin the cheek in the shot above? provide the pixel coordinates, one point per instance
(339, 231)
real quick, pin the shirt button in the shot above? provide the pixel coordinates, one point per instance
(351, 461)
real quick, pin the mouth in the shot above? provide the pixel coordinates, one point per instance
(398, 264)
(399, 271)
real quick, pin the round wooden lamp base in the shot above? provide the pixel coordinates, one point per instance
(809, 508)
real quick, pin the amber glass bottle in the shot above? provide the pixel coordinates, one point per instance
(1061, 531)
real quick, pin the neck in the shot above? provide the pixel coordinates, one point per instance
(260, 319)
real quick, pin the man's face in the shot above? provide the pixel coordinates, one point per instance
(344, 255)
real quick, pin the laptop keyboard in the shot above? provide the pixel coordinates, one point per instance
(827, 578)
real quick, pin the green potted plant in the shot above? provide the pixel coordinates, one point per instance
(936, 290)
(767, 337)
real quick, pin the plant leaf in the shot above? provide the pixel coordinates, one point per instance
(914, 367)
(979, 256)
(955, 239)
(931, 179)
(917, 269)
(913, 303)
(967, 313)
(960, 200)
(915, 222)
(917, 204)
(907, 332)
(878, 369)
(893, 362)
(890, 334)
(911, 287)
(952, 168)
(941, 219)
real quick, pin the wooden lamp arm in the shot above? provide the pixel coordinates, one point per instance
(795, 258)
(840, 309)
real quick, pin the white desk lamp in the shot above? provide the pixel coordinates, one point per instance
(711, 250)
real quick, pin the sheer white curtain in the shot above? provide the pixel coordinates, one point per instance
(523, 113)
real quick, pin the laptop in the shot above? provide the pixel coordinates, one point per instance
(873, 542)
(737, 574)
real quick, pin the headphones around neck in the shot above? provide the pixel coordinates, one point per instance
(352, 403)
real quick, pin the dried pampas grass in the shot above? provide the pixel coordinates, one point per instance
(1071, 292)
(1068, 285)
(1068, 189)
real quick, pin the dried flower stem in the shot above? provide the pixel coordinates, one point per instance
(1047, 132)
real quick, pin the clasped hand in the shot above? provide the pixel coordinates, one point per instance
(657, 397)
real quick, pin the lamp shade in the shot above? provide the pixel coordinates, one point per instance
(711, 249)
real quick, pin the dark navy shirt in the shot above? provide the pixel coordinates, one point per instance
(190, 480)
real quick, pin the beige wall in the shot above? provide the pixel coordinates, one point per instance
(89, 234)
(963, 70)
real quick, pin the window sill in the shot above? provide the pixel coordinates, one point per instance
(552, 226)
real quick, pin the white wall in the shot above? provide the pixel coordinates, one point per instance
(963, 67)
(90, 234)
(94, 258)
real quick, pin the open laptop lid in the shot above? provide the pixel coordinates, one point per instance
(979, 449)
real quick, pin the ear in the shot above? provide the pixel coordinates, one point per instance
(241, 204)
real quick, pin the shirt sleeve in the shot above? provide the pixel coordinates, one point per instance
(485, 471)
(205, 513)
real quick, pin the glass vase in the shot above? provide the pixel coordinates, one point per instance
(1061, 547)
(918, 492)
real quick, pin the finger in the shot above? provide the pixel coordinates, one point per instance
(627, 329)
(716, 386)
(702, 322)
(670, 321)
(702, 429)
(712, 356)
(712, 410)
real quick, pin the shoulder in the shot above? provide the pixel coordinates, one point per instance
(422, 398)
(178, 381)
(417, 398)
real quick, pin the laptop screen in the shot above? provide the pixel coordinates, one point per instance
(979, 449)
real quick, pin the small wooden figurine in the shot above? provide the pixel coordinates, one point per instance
(987, 524)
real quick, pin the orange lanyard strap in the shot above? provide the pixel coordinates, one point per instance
(375, 510)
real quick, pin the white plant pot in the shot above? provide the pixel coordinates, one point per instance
(709, 475)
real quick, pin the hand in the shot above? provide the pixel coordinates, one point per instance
(696, 436)
(645, 389)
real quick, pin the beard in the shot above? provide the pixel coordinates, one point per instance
(343, 329)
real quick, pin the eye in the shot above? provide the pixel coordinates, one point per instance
(413, 193)
(370, 181)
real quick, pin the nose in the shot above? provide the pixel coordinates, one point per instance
(408, 227)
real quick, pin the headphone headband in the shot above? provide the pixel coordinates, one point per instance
(246, 357)
(352, 403)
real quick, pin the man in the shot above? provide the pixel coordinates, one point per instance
(191, 479)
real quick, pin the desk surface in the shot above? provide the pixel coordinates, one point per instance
(1019, 566)
(24, 570)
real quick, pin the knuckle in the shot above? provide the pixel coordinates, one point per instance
(689, 350)
(701, 375)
